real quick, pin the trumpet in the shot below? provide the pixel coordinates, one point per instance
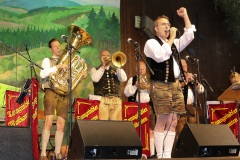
(118, 59)
(107, 59)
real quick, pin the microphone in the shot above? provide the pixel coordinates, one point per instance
(192, 59)
(167, 31)
(194, 76)
(65, 38)
(129, 40)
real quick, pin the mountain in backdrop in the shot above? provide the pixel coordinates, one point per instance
(34, 4)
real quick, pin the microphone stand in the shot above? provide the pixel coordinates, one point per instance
(196, 93)
(205, 104)
(203, 81)
(31, 68)
(138, 55)
(195, 99)
(206, 85)
(33, 63)
(69, 48)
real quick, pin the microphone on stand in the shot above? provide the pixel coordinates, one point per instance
(130, 41)
(65, 38)
(192, 59)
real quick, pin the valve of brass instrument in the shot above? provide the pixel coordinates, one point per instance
(107, 59)
(144, 81)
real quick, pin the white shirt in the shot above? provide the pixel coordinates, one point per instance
(96, 75)
(190, 96)
(161, 53)
(47, 69)
(130, 90)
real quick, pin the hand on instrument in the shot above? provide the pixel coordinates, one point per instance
(62, 66)
(189, 77)
(84, 74)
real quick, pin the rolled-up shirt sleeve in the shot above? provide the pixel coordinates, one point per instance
(47, 69)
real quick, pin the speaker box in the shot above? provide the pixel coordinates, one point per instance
(16, 143)
(205, 140)
(92, 139)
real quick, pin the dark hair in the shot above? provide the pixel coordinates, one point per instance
(52, 40)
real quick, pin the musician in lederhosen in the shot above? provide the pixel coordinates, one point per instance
(165, 89)
(188, 87)
(131, 91)
(106, 81)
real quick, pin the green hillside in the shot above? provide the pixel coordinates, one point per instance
(47, 18)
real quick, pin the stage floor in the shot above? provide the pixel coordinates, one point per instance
(64, 151)
(200, 158)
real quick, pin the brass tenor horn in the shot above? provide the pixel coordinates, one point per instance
(144, 81)
(59, 80)
(119, 59)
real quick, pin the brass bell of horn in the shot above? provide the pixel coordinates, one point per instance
(119, 59)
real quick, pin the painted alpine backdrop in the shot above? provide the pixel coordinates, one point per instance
(27, 26)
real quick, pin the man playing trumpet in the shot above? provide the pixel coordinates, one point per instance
(106, 82)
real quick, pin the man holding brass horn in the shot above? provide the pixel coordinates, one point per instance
(53, 100)
(130, 91)
(106, 81)
(189, 88)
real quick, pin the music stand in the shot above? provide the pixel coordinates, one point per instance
(232, 94)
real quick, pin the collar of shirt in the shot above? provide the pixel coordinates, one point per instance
(107, 68)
